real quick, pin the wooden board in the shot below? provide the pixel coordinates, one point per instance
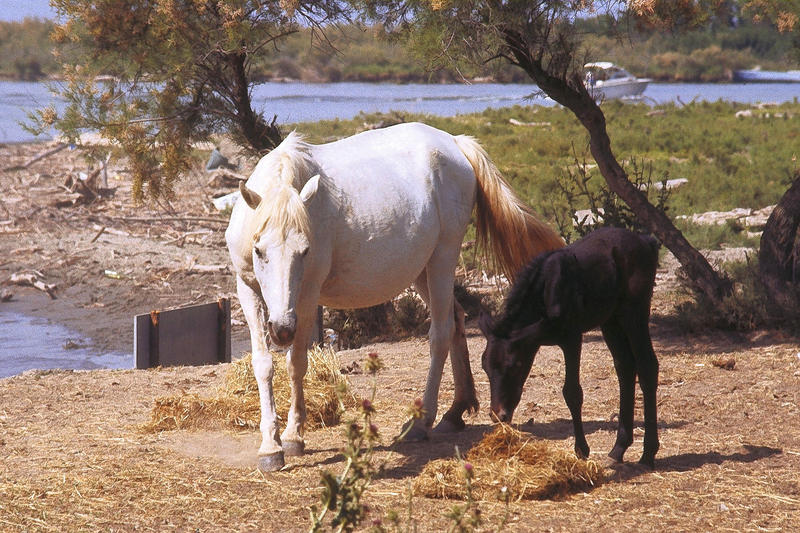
(196, 335)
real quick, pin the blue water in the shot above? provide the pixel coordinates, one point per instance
(28, 343)
(304, 102)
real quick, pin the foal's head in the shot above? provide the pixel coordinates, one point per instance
(541, 302)
(507, 361)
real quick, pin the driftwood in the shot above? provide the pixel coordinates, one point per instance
(172, 219)
(36, 159)
(35, 280)
(208, 268)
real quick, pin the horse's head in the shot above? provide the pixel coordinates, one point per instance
(281, 251)
(507, 361)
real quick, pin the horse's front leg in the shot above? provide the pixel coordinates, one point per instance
(297, 365)
(270, 454)
(573, 393)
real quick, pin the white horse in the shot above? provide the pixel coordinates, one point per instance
(351, 224)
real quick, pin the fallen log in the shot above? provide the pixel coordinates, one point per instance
(36, 159)
(33, 279)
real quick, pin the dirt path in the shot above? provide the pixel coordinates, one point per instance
(72, 457)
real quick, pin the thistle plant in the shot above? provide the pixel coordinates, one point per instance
(342, 494)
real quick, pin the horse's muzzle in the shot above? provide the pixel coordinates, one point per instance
(282, 332)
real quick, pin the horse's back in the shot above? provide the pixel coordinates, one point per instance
(399, 192)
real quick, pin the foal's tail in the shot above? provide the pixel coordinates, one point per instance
(507, 230)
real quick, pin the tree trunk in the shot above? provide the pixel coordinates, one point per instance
(779, 254)
(260, 135)
(575, 97)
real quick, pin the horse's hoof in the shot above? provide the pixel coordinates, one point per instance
(447, 425)
(294, 448)
(417, 433)
(271, 462)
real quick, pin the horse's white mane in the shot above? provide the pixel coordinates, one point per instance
(287, 168)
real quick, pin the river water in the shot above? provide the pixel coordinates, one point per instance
(27, 343)
(307, 102)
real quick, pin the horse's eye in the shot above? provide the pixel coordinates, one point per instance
(259, 253)
(304, 253)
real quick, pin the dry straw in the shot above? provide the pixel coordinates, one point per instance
(236, 404)
(506, 460)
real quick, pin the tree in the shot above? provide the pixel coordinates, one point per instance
(155, 76)
(540, 38)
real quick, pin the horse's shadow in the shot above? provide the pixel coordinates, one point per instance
(443, 446)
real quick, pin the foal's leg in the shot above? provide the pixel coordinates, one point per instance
(617, 341)
(573, 393)
(270, 454)
(466, 398)
(647, 370)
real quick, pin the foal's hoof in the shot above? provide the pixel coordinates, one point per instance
(648, 461)
(616, 454)
(293, 448)
(449, 425)
(271, 462)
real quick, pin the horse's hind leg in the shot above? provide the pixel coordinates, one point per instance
(617, 341)
(466, 399)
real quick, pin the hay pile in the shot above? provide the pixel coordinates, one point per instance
(528, 469)
(237, 405)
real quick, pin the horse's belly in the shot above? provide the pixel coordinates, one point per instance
(370, 283)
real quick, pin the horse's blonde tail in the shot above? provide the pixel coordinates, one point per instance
(507, 231)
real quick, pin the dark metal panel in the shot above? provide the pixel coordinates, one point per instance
(196, 335)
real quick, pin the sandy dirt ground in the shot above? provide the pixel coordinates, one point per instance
(73, 458)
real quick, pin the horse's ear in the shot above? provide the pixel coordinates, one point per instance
(560, 297)
(485, 322)
(251, 197)
(310, 189)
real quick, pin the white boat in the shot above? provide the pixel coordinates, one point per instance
(756, 75)
(606, 81)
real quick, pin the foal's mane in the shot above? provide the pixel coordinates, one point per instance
(519, 296)
(288, 167)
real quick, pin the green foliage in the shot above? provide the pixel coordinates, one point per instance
(748, 308)
(577, 187)
(26, 50)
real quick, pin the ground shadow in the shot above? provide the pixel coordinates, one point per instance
(561, 428)
(685, 462)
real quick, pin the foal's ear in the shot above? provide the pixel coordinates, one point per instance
(310, 189)
(251, 197)
(560, 293)
(531, 330)
(485, 322)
